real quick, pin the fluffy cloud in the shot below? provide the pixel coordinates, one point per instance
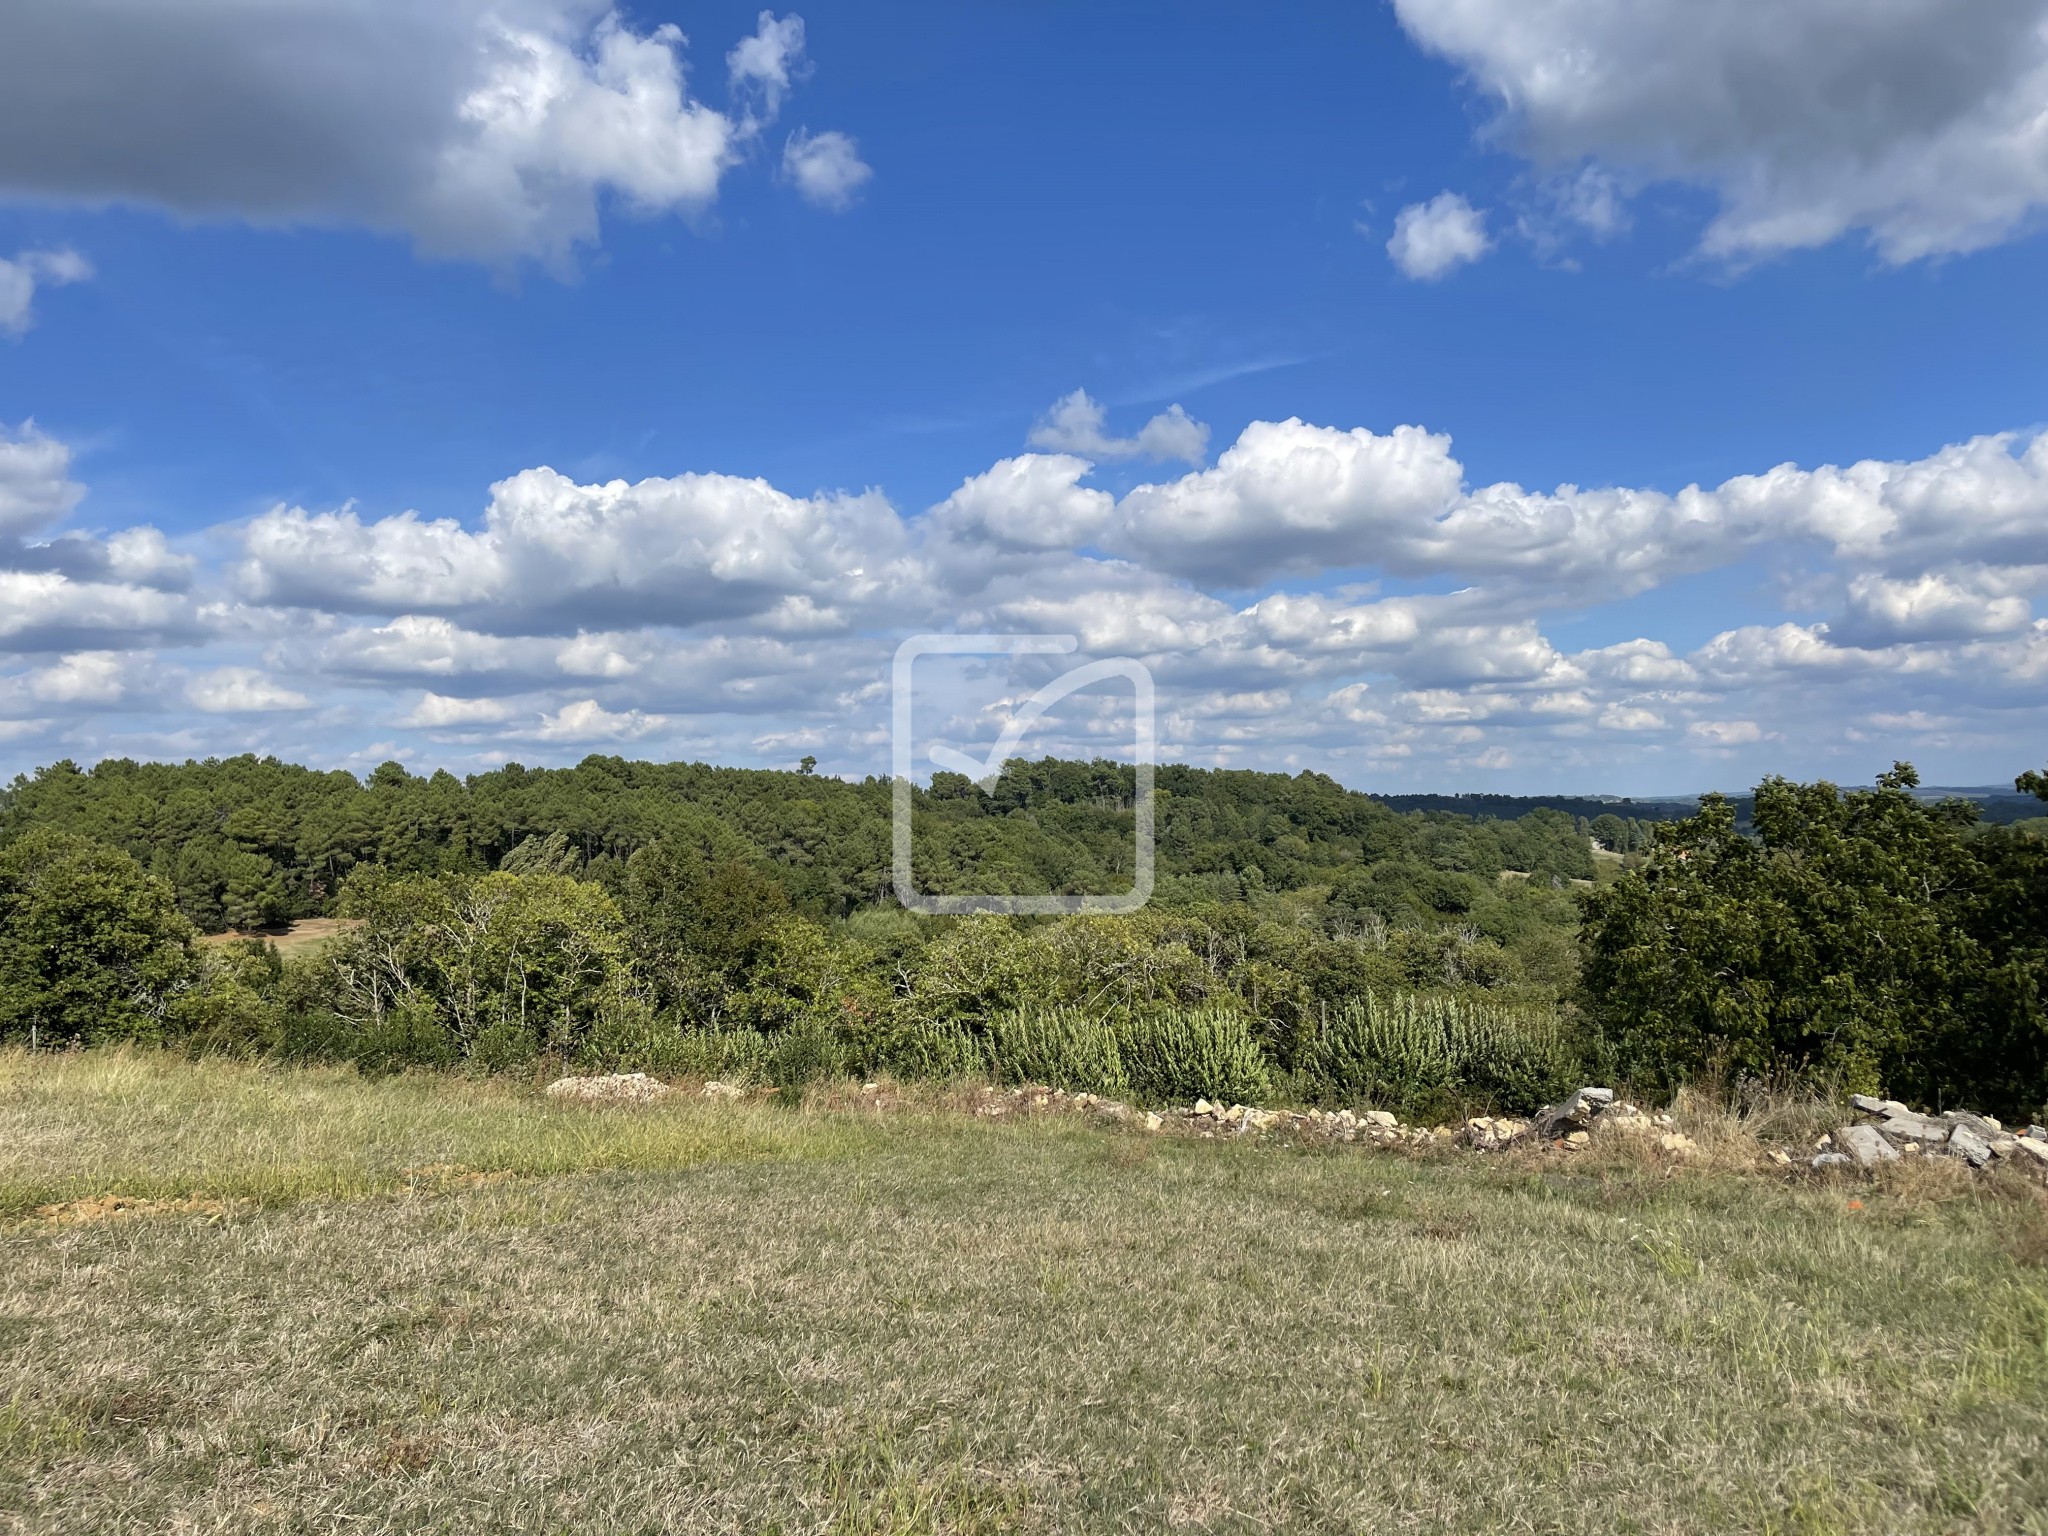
(486, 129)
(1920, 122)
(825, 168)
(241, 690)
(587, 721)
(1032, 502)
(745, 620)
(1076, 424)
(1288, 495)
(86, 677)
(48, 611)
(1931, 607)
(766, 64)
(552, 554)
(20, 277)
(1439, 236)
(36, 488)
(437, 712)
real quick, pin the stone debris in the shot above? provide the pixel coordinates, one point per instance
(1489, 1133)
(1890, 1131)
(1865, 1145)
(1576, 1113)
(615, 1088)
(1965, 1143)
(1895, 1130)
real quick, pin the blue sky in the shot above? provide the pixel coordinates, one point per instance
(280, 278)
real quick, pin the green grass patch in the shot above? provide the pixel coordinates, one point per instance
(150, 1125)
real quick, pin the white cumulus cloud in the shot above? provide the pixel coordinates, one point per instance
(1077, 423)
(36, 488)
(588, 721)
(825, 168)
(1439, 236)
(439, 712)
(241, 690)
(553, 553)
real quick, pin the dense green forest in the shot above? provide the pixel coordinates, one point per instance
(1304, 940)
(249, 842)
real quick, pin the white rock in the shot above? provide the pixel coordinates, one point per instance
(2027, 1149)
(1865, 1145)
(614, 1088)
(1380, 1118)
(1575, 1113)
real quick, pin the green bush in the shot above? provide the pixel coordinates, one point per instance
(405, 1035)
(936, 1052)
(630, 1037)
(1180, 1054)
(805, 1053)
(1068, 1048)
(1421, 1053)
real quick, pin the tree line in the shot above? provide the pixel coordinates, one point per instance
(683, 917)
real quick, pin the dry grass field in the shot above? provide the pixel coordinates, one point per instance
(245, 1299)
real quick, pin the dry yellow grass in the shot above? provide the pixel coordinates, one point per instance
(742, 1318)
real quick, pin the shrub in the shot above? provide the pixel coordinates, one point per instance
(1189, 1053)
(1066, 1048)
(1430, 1052)
(938, 1052)
(630, 1037)
(805, 1053)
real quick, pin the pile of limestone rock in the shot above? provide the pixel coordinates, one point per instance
(1890, 1131)
(1569, 1124)
(613, 1088)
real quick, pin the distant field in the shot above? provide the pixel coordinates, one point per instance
(301, 937)
(424, 1304)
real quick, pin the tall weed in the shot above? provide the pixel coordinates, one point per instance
(1424, 1053)
(1178, 1054)
(1069, 1048)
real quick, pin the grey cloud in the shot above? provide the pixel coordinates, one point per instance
(1914, 120)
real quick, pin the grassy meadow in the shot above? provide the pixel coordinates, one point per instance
(433, 1304)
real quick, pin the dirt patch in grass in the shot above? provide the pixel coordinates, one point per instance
(75, 1213)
